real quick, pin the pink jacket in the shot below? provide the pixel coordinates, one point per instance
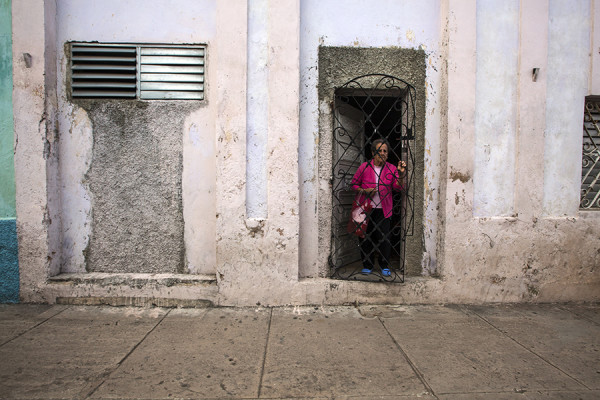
(365, 178)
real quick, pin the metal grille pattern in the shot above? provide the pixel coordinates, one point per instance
(103, 71)
(366, 109)
(172, 73)
(590, 175)
(150, 72)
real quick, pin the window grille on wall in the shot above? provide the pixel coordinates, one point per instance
(590, 172)
(137, 71)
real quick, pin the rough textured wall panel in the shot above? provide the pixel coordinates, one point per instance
(135, 182)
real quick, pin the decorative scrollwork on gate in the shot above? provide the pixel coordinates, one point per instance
(590, 173)
(373, 113)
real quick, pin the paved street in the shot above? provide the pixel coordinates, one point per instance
(443, 352)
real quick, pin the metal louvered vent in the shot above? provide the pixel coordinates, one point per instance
(103, 71)
(147, 72)
(172, 73)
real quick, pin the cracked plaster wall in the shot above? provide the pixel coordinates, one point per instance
(527, 255)
(258, 259)
(137, 178)
(404, 25)
(34, 97)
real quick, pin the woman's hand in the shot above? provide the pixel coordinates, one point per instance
(368, 191)
(401, 166)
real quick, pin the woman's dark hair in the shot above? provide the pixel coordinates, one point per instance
(376, 143)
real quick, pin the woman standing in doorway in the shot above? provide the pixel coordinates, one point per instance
(374, 182)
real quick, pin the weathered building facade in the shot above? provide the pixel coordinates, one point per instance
(227, 197)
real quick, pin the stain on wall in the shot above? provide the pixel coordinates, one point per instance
(459, 176)
(338, 65)
(135, 185)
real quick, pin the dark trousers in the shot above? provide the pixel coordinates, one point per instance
(376, 241)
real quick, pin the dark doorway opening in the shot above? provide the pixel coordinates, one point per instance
(362, 115)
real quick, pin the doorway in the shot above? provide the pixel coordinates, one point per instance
(369, 108)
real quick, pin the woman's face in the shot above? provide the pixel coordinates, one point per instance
(381, 154)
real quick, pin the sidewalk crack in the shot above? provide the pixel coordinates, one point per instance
(582, 316)
(109, 371)
(34, 326)
(408, 360)
(525, 347)
(262, 368)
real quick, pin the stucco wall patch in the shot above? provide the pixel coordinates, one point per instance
(135, 182)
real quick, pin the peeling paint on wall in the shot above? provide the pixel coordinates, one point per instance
(518, 257)
(76, 199)
(322, 24)
(135, 183)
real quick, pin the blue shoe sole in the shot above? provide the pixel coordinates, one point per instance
(386, 272)
(365, 271)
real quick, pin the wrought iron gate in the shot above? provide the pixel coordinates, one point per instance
(368, 108)
(590, 168)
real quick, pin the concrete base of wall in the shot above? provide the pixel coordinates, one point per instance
(9, 262)
(163, 290)
(134, 302)
(179, 290)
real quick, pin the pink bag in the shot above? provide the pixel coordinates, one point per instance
(358, 218)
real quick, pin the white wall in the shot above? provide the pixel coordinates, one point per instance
(595, 49)
(496, 108)
(257, 107)
(520, 251)
(358, 23)
(568, 73)
(138, 21)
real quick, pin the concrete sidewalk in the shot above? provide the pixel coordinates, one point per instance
(444, 352)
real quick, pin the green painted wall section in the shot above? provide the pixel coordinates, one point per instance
(7, 170)
(9, 260)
